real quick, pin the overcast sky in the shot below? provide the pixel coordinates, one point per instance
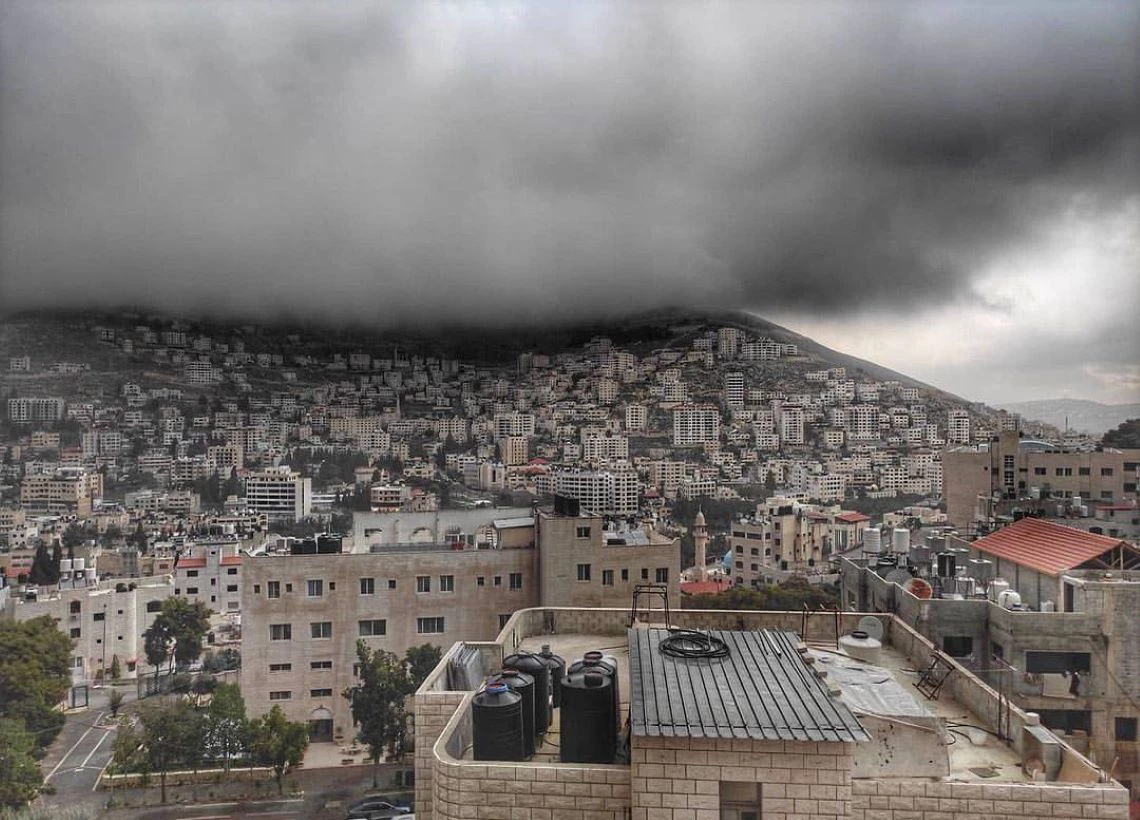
(949, 188)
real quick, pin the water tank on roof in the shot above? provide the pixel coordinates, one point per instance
(522, 684)
(586, 719)
(64, 565)
(947, 565)
(608, 665)
(900, 540)
(557, 667)
(536, 667)
(79, 564)
(872, 541)
(497, 724)
(1048, 606)
(997, 587)
(1009, 599)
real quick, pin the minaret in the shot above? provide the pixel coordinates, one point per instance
(700, 541)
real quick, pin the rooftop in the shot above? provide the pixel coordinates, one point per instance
(1050, 548)
(759, 688)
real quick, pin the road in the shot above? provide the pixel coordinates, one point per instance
(83, 748)
(268, 809)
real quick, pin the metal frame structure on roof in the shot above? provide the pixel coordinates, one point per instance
(762, 690)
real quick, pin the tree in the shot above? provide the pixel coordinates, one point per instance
(171, 735)
(72, 537)
(116, 667)
(421, 660)
(377, 700)
(44, 571)
(157, 643)
(139, 539)
(115, 703)
(278, 743)
(180, 626)
(227, 729)
(35, 674)
(20, 776)
(1125, 436)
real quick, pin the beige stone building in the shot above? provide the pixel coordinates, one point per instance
(1010, 470)
(415, 578)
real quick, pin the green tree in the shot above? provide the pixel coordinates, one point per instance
(378, 702)
(127, 748)
(227, 729)
(278, 743)
(35, 674)
(157, 643)
(180, 625)
(421, 660)
(115, 703)
(44, 571)
(20, 776)
(116, 669)
(171, 736)
(72, 537)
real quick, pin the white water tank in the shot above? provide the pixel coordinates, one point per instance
(872, 541)
(1009, 599)
(900, 540)
(1035, 493)
(1048, 606)
(862, 646)
(64, 565)
(80, 564)
(997, 587)
(1075, 502)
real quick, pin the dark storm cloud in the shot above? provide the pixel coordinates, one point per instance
(503, 161)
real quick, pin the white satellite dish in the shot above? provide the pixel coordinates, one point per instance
(872, 626)
(897, 576)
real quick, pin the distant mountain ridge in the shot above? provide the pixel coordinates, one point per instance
(1080, 415)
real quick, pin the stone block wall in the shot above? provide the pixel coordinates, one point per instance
(926, 800)
(433, 711)
(674, 778)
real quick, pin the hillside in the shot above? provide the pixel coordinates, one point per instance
(1081, 415)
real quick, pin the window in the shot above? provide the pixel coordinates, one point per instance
(391, 583)
(272, 589)
(1106, 471)
(192, 573)
(1039, 471)
(100, 616)
(625, 574)
(320, 693)
(1040, 663)
(280, 667)
(423, 583)
(498, 580)
(231, 571)
(607, 577)
(1126, 729)
(231, 588)
(447, 583)
(1064, 471)
(375, 626)
(75, 633)
(281, 695)
(257, 589)
(957, 646)
(582, 532)
(367, 586)
(1083, 471)
(320, 665)
(288, 587)
(281, 632)
(503, 618)
(191, 590)
(644, 574)
(73, 607)
(429, 626)
(515, 580)
(314, 588)
(661, 576)
(480, 581)
(583, 572)
(320, 629)
(153, 606)
(740, 801)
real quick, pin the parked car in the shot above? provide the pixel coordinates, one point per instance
(378, 807)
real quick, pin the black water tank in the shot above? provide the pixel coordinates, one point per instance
(608, 665)
(557, 669)
(523, 685)
(587, 720)
(497, 721)
(536, 667)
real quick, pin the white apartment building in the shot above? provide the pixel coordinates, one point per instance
(30, 410)
(279, 493)
(636, 416)
(958, 427)
(728, 342)
(602, 492)
(695, 424)
(734, 390)
(607, 446)
(791, 423)
(513, 424)
(515, 450)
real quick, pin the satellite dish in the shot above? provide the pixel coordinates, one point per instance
(897, 576)
(919, 588)
(872, 626)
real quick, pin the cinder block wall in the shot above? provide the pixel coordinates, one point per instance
(676, 778)
(924, 800)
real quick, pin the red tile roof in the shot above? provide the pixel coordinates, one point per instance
(230, 560)
(1044, 546)
(852, 517)
(706, 587)
(191, 563)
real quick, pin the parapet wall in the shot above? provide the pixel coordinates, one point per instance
(925, 800)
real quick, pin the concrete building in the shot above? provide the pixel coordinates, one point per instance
(66, 490)
(32, 410)
(1012, 471)
(734, 391)
(777, 725)
(695, 424)
(210, 572)
(603, 492)
(416, 578)
(1063, 645)
(279, 493)
(958, 427)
